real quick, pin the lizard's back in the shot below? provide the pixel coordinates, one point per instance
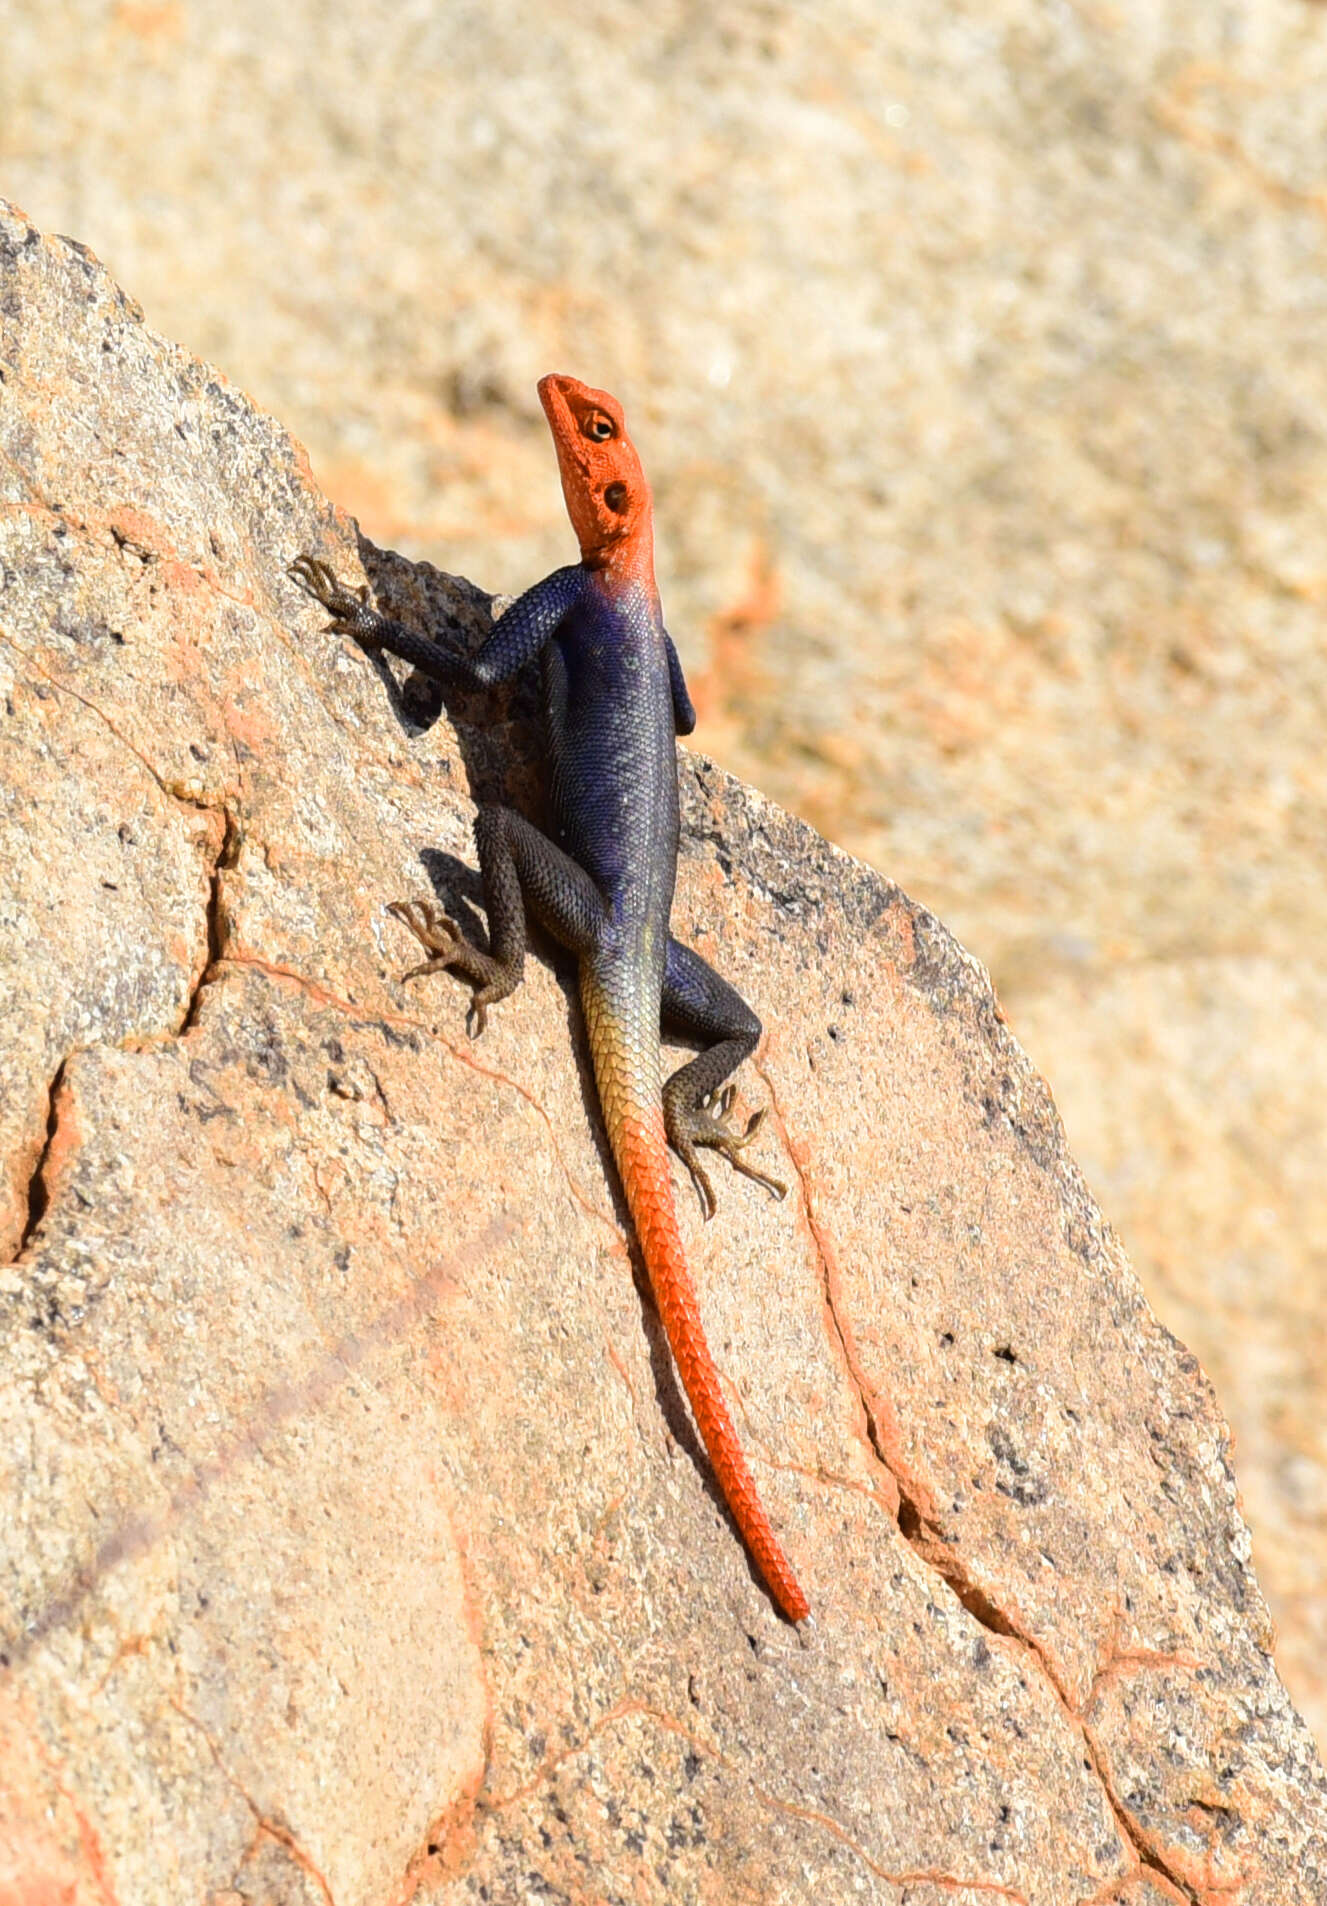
(613, 757)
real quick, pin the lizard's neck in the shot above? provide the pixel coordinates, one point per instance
(626, 560)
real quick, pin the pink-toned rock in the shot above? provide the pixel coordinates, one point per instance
(976, 357)
(356, 1545)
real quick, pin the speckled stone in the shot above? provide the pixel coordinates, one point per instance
(357, 1546)
(976, 355)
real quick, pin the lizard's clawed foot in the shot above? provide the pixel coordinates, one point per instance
(707, 1124)
(448, 949)
(348, 606)
(435, 930)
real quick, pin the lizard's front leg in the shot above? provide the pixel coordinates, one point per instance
(519, 634)
(520, 868)
(443, 658)
(699, 1002)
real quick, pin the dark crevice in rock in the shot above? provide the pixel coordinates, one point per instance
(974, 1598)
(227, 855)
(1150, 1863)
(39, 1192)
(217, 932)
(923, 1535)
(928, 1545)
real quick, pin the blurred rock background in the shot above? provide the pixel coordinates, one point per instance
(978, 356)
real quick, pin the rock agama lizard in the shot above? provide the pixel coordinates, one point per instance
(614, 697)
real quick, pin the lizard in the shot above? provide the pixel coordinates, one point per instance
(614, 697)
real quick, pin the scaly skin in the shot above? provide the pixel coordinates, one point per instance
(614, 698)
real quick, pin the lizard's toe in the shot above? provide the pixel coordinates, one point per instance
(700, 1178)
(347, 604)
(435, 930)
(707, 1126)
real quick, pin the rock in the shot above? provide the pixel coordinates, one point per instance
(358, 1547)
(977, 362)
(1193, 1095)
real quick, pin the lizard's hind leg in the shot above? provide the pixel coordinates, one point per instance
(699, 1002)
(520, 868)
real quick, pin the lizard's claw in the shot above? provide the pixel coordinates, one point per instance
(348, 605)
(700, 1178)
(707, 1124)
(436, 932)
(718, 1134)
(448, 948)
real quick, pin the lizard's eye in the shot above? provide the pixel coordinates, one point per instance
(616, 497)
(599, 427)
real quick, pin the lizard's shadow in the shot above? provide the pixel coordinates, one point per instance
(499, 738)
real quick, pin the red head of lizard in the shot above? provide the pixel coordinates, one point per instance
(608, 499)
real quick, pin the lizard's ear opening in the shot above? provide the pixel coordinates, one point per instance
(616, 496)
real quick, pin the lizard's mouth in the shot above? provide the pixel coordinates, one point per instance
(569, 406)
(554, 395)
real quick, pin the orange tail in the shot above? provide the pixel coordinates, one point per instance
(641, 1149)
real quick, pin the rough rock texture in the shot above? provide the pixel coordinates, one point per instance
(976, 352)
(357, 1546)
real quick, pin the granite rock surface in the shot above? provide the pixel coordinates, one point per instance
(976, 356)
(357, 1544)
